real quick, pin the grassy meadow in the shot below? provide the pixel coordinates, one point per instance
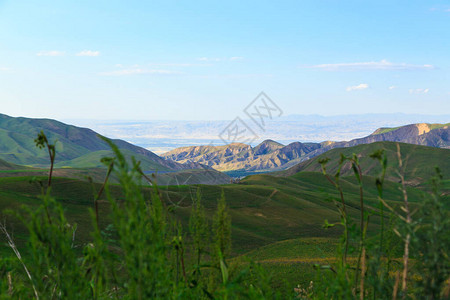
(277, 221)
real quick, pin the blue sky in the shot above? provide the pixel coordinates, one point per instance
(206, 60)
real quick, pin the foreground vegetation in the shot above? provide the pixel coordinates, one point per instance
(153, 245)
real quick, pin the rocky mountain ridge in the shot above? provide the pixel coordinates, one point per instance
(270, 155)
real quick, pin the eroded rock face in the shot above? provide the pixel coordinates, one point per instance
(271, 155)
(267, 155)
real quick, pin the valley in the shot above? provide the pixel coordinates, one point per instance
(277, 217)
(222, 150)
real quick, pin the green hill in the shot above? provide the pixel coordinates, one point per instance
(76, 147)
(264, 209)
(292, 261)
(276, 221)
(5, 166)
(389, 129)
(419, 161)
(92, 160)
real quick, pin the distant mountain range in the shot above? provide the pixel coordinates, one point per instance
(76, 147)
(82, 148)
(79, 151)
(160, 136)
(270, 155)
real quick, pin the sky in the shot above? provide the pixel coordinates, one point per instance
(207, 60)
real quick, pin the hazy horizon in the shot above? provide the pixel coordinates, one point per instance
(161, 136)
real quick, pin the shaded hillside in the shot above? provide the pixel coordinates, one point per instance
(264, 209)
(6, 166)
(76, 147)
(194, 176)
(183, 177)
(420, 161)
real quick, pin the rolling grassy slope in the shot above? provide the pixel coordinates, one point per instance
(75, 195)
(292, 261)
(195, 176)
(76, 147)
(276, 221)
(264, 209)
(92, 160)
(95, 170)
(5, 166)
(420, 161)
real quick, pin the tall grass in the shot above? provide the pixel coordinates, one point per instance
(378, 271)
(145, 254)
(140, 255)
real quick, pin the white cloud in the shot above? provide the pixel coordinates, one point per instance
(358, 87)
(88, 53)
(236, 58)
(138, 71)
(51, 53)
(4, 69)
(419, 91)
(392, 87)
(440, 8)
(372, 65)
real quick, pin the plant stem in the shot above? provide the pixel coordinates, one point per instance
(52, 161)
(12, 245)
(408, 222)
(343, 213)
(182, 265)
(110, 168)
